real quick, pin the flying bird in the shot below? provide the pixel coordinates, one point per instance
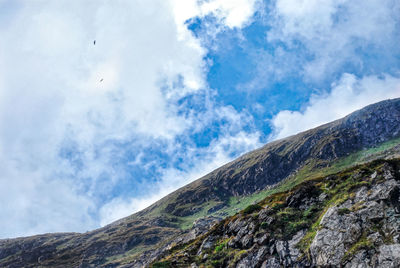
(101, 80)
(94, 42)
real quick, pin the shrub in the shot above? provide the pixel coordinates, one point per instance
(220, 247)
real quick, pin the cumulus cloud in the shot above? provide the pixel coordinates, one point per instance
(347, 95)
(336, 32)
(77, 116)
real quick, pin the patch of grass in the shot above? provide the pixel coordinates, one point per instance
(309, 212)
(187, 222)
(220, 247)
(252, 208)
(278, 206)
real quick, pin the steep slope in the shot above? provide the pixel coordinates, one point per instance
(370, 133)
(348, 219)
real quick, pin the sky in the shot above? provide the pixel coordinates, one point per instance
(171, 90)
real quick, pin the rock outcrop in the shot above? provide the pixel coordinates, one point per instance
(348, 219)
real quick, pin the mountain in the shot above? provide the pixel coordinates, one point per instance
(175, 225)
(347, 219)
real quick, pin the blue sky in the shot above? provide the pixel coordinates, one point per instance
(170, 91)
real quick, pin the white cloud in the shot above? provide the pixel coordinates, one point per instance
(335, 31)
(66, 104)
(231, 13)
(31, 202)
(346, 96)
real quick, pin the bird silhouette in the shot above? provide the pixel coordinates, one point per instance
(101, 80)
(94, 42)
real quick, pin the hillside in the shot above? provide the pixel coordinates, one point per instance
(347, 219)
(272, 171)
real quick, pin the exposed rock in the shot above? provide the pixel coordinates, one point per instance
(287, 250)
(360, 260)
(389, 256)
(247, 241)
(271, 262)
(207, 244)
(254, 259)
(328, 246)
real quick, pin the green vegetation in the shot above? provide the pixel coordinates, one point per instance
(221, 246)
(252, 208)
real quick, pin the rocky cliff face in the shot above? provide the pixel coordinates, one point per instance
(350, 219)
(137, 240)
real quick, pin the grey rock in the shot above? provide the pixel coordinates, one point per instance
(372, 211)
(383, 190)
(244, 263)
(294, 252)
(243, 231)
(262, 239)
(247, 241)
(207, 244)
(389, 256)
(287, 250)
(271, 263)
(359, 260)
(322, 197)
(376, 238)
(261, 253)
(254, 258)
(328, 246)
(235, 226)
(361, 195)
